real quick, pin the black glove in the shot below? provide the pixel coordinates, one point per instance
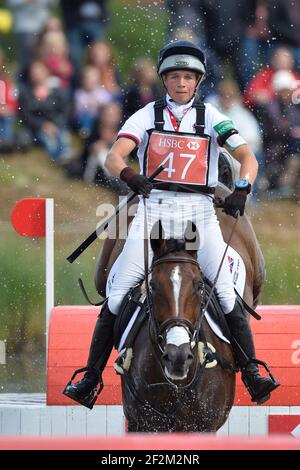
(235, 202)
(138, 183)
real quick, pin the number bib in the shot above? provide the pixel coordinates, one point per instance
(184, 156)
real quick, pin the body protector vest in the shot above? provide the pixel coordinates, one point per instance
(184, 155)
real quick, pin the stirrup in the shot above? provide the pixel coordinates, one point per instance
(89, 400)
(257, 398)
(265, 365)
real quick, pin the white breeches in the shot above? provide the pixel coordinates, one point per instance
(174, 210)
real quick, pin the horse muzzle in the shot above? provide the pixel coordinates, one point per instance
(177, 360)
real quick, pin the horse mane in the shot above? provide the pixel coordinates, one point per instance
(172, 245)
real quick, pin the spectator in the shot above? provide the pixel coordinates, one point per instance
(285, 25)
(29, 18)
(52, 24)
(84, 23)
(229, 102)
(144, 89)
(89, 99)
(224, 22)
(44, 111)
(282, 135)
(54, 54)
(106, 133)
(8, 106)
(256, 43)
(100, 55)
(260, 90)
(187, 16)
(189, 22)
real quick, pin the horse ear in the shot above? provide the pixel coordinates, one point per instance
(191, 237)
(157, 237)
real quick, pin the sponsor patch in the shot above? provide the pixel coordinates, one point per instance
(223, 127)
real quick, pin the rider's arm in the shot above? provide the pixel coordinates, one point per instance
(246, 157)
(115, 160)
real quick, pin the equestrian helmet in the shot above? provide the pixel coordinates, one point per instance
(181, 55)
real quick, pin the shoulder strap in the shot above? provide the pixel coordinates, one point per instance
(159, 107)
(200, 116)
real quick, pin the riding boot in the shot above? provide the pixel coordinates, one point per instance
(243, 346)
(86, 390)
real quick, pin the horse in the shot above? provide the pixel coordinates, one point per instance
(168, 388)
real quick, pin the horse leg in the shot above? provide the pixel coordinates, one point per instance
(132, 426)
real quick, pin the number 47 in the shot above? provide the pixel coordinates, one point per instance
(170, 158)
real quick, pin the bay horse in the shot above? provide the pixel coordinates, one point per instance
(166, 388)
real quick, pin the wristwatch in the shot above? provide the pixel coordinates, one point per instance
(243, 183)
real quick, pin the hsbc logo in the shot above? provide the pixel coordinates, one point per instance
(193, 145)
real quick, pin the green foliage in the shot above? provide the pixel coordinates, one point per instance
(22, 300)
(22, 294)
(283, 275)
(135, 29)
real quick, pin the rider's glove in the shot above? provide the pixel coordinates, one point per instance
(138, 183)
(235, 202)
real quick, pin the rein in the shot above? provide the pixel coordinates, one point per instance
(157, 331)
(193, 330)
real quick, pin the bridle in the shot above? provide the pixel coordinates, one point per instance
(192, 329)
(158, 332)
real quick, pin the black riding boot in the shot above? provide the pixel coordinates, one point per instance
(259, 387)
(85, 390)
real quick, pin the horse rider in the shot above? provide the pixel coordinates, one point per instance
(184, 134)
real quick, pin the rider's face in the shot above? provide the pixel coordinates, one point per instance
(181, 85)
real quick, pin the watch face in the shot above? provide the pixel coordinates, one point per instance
(242, 183)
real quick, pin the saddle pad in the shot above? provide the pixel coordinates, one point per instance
(237, 270)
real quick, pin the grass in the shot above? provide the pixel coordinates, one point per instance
(283, 276)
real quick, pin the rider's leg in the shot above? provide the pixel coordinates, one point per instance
(85, 390)
(259, 387)
(209, 257)
(127, 272)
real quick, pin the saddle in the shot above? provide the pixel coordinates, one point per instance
(136, 298)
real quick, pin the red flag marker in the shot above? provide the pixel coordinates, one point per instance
(29, 217)
(35, 218)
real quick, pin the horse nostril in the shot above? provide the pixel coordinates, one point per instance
(190, 357)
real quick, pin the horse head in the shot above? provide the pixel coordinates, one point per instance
(177, 289)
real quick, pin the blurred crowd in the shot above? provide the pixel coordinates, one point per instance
(65, 85)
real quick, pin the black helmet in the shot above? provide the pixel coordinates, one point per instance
(181, 55)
